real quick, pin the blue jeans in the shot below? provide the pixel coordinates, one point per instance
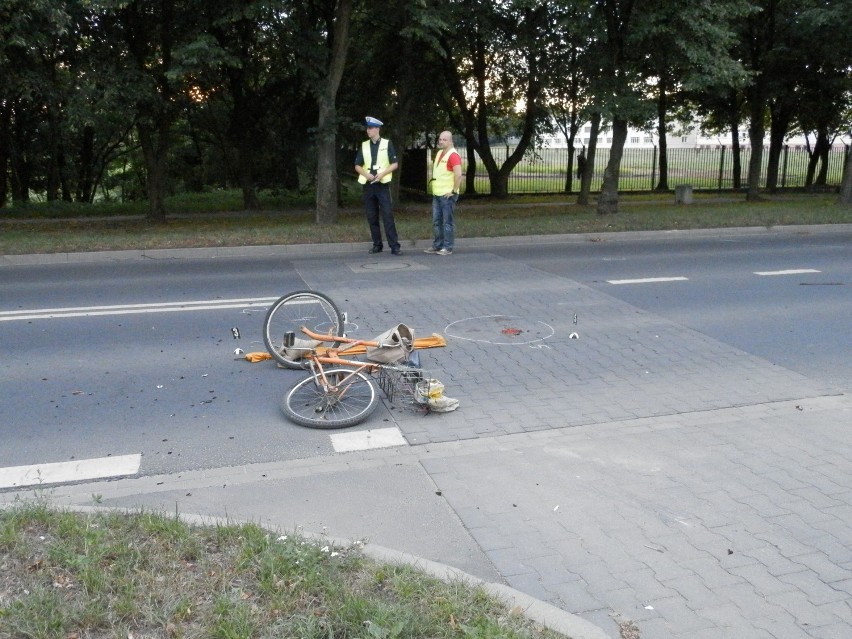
(443, 221)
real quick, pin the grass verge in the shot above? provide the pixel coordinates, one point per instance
(213, 226)
(66, 575)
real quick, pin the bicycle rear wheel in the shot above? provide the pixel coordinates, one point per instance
(289, 313)
(349, 399)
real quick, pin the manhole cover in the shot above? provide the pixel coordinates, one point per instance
(385, 265)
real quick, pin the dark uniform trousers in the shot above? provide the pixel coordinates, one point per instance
(377, 200)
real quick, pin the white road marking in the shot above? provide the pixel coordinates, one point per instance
(367, 439)
(128, 309)
(792, 271)
(646, 280)
(78, 470)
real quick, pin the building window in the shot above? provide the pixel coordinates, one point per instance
(649, 141)
(634, 140)
(684, 139)
(609, 140)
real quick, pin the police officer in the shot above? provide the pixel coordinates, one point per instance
(374, 163)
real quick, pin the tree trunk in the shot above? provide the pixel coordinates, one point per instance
(608, 201)
(243, 135)
(326, 201)
(662, 109)
(289, 175)
(86, 169)
(5, 125)
(21, 168)
(154, 141)
(470, 175)
(820, 149)
(53, 179)
(822, 152)
(245, 174)
(500, 182)
(756, 133)
(569, 167)
(776, 146)
(778, 127)
(846, 184)
(736, 159)
(588, 174)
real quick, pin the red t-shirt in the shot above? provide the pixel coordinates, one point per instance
(453, 160)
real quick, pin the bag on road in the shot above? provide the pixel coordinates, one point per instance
(393, 346)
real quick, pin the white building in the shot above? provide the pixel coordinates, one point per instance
(637, 139)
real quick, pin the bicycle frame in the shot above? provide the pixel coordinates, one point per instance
(315, 358)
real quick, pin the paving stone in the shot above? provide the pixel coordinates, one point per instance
(809, 584)
(576, 597)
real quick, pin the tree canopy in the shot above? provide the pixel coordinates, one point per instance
(152, 97)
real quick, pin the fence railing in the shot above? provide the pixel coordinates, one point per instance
(544, 170)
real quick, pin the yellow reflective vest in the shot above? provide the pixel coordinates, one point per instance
(443, 180)
(382, 160)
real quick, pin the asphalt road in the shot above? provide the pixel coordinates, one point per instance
(114, 358)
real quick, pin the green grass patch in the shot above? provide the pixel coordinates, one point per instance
(67, 575)
(476, 217)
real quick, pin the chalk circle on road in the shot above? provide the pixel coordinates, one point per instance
(501, 330)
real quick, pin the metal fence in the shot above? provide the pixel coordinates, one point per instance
(544, 170)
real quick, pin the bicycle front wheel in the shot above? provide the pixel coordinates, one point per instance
(348, 399)
(292, 311)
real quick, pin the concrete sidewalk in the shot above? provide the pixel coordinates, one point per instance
(724, 523)
(641, 475)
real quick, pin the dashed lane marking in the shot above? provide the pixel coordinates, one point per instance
(648, 280)
(70, 471)
(367, 439)
(792, 271)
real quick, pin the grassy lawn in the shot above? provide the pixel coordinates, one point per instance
(215, 220)
(71, 576)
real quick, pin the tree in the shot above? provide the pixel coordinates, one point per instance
(617, 89)
(763, 48)
(675, 67)
(403, 88)
(824, 85)
(566, 91)
(35, 38)
(699, 34)
(493, 56)
(321, 53)
(250, 90)
(586, 178)
(156, 50)
(846, 185)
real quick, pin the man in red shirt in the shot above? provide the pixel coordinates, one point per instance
(446, 184)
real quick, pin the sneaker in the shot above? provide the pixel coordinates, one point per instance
(445, 252)
(396, 251)
(431, 250)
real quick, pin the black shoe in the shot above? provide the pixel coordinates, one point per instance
(396, 251)
(376, 249)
